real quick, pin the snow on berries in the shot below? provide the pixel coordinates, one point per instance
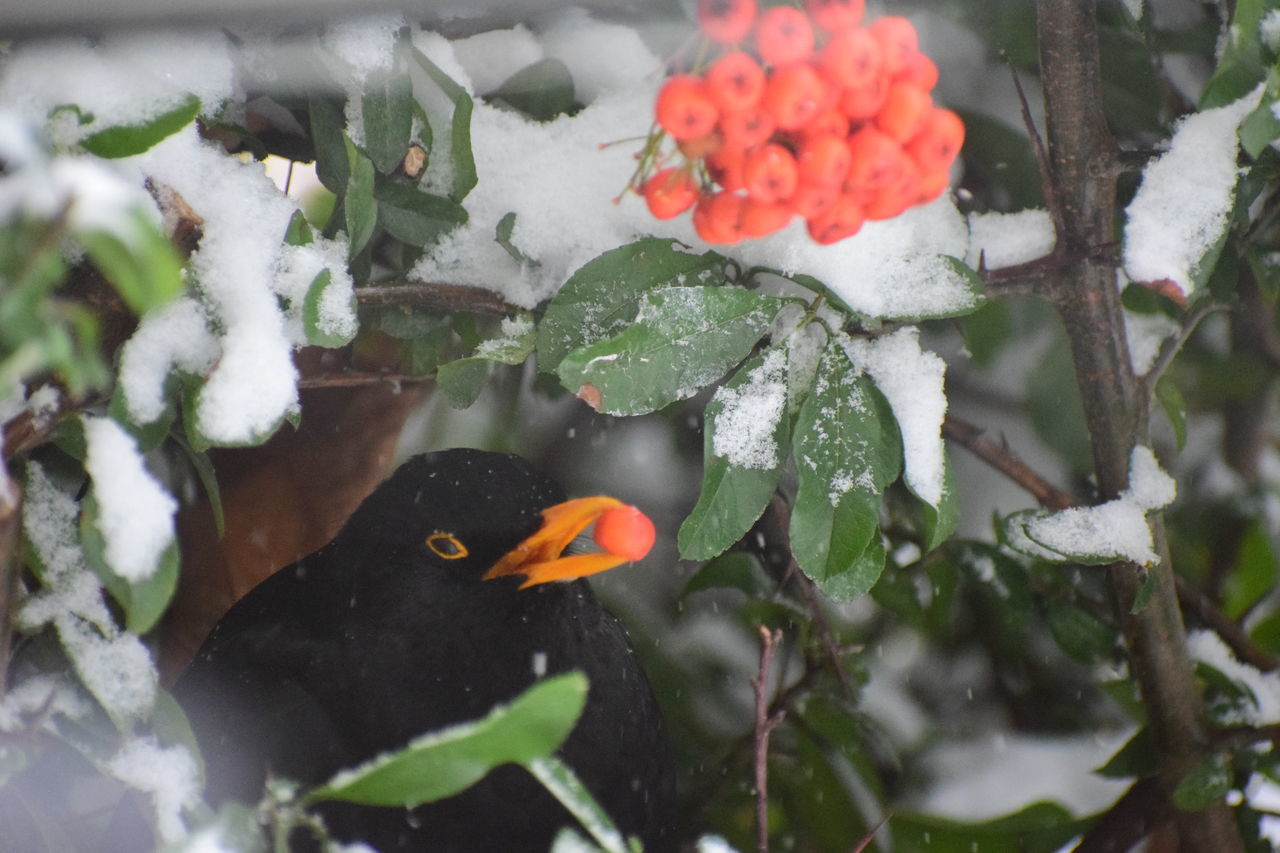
(811, 112)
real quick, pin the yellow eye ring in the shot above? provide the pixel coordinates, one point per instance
(446, 546)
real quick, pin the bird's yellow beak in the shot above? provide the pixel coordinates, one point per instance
(539, 558)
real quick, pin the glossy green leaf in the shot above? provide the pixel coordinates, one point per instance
(541, 91)
(602, 297)
(442, 763)
(462, 160)
(847, 448)
(1253, 576)
(683, 339)
(1174, 406)
(128, 140)
(386, 110)
(145, 269)
(143, 601)
(299, 232)
(565, 786)
(502, 236)
(328, 135)
(462, 380)
(357, 202)
(1241, 66)
(749, 409)
(1083, 636)
(414, 216)
(1136, 759)
(1038, 828)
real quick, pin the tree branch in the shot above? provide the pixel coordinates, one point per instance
(1084, 162)
(448, 298)
(765, 724)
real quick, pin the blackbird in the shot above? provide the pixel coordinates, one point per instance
(446, 593)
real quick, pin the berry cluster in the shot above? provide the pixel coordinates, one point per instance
(825, 119)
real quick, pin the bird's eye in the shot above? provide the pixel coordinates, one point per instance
(446, 545)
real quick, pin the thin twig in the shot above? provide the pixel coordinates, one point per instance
(437, 296)
(765, 724)
(353, 378)
(1047, 185)
(1006, 462)
(1238, 639)
(1173, 344)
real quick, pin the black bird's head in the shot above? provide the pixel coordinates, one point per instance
(484, 515)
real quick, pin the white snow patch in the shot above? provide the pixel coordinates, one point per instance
(1005, 239)
(44, 695)
(490, 58)
(1207, 647)
(911, 379)
(174, 335)
(135, 512)
(1116, 529)
(297, 268)
(1180, 210)
(366, 45)
(168, 773)
(744, 428)
(1269, 30)
(601, 57)
(1146, 334)
(714, 844)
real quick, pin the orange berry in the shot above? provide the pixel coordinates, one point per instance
(770, 173)
(894, 198)
(670, 193)
(851, 58)
(865, 101)
(784, 35)
(725, 166)
(843, 219)
(726, 21)
(939, 140)
(683, 108)
(905, 109)
(700, 146)
(761, 218)
(920, 71)
(735, 82)
(624, 531)
(898, 40)
(932, 185)
(829, 121)
(812, 200)
(747, 128)
(835, 15)
(794, 95)
(823, 159)
(877, 161)
(718, 217)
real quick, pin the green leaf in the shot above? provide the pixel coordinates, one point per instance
(318, 330)
(734, 570)
(462, 160)
(299, 231)
(565, 786)
(127, 140)
(1240, 67)
(145, 269)
(602, 297)
(502, 236)
(463, 379)
(1146, 588)
(939, 521)
(683, 339)
(387, 114)
(1083, 636)
(1208, 782)
(149, 436)
(959, 276)
(847, 448)
(541, 91)
(414, 216)
(1175, 408)
(144, 601)
(1041, 827)
(1253, 576)
(443, 763)
(1136, 759)
(748, 409)
(357, 202)
(327, 134)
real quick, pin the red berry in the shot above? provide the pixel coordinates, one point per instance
(829, 121)
(905, 109)
(898, 41)
(851, 58)
(824, 160)
(683, 108)
(718, 217)
(670, 193)
(624, 531)
(843, 219)
(932, 185)
(747, 128)
(877, 161)
(726, 165)
(735, 82)
(783, 36)
(726, 21)
(701, 146)
(891, 200)
(835, 15)
(760, 218)
(938, 142)
(770, 173)
(865, 101)
(794, 95)
(920, 71)
(812, 200)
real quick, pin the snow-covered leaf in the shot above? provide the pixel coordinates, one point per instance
(847, 449)
(442, 763)
(314, 316)
(744, 446)
(127, 140)
(386, 110)
(463, 161)
(683, 339)
(144, 269)
(603, 296)
(462, 380)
